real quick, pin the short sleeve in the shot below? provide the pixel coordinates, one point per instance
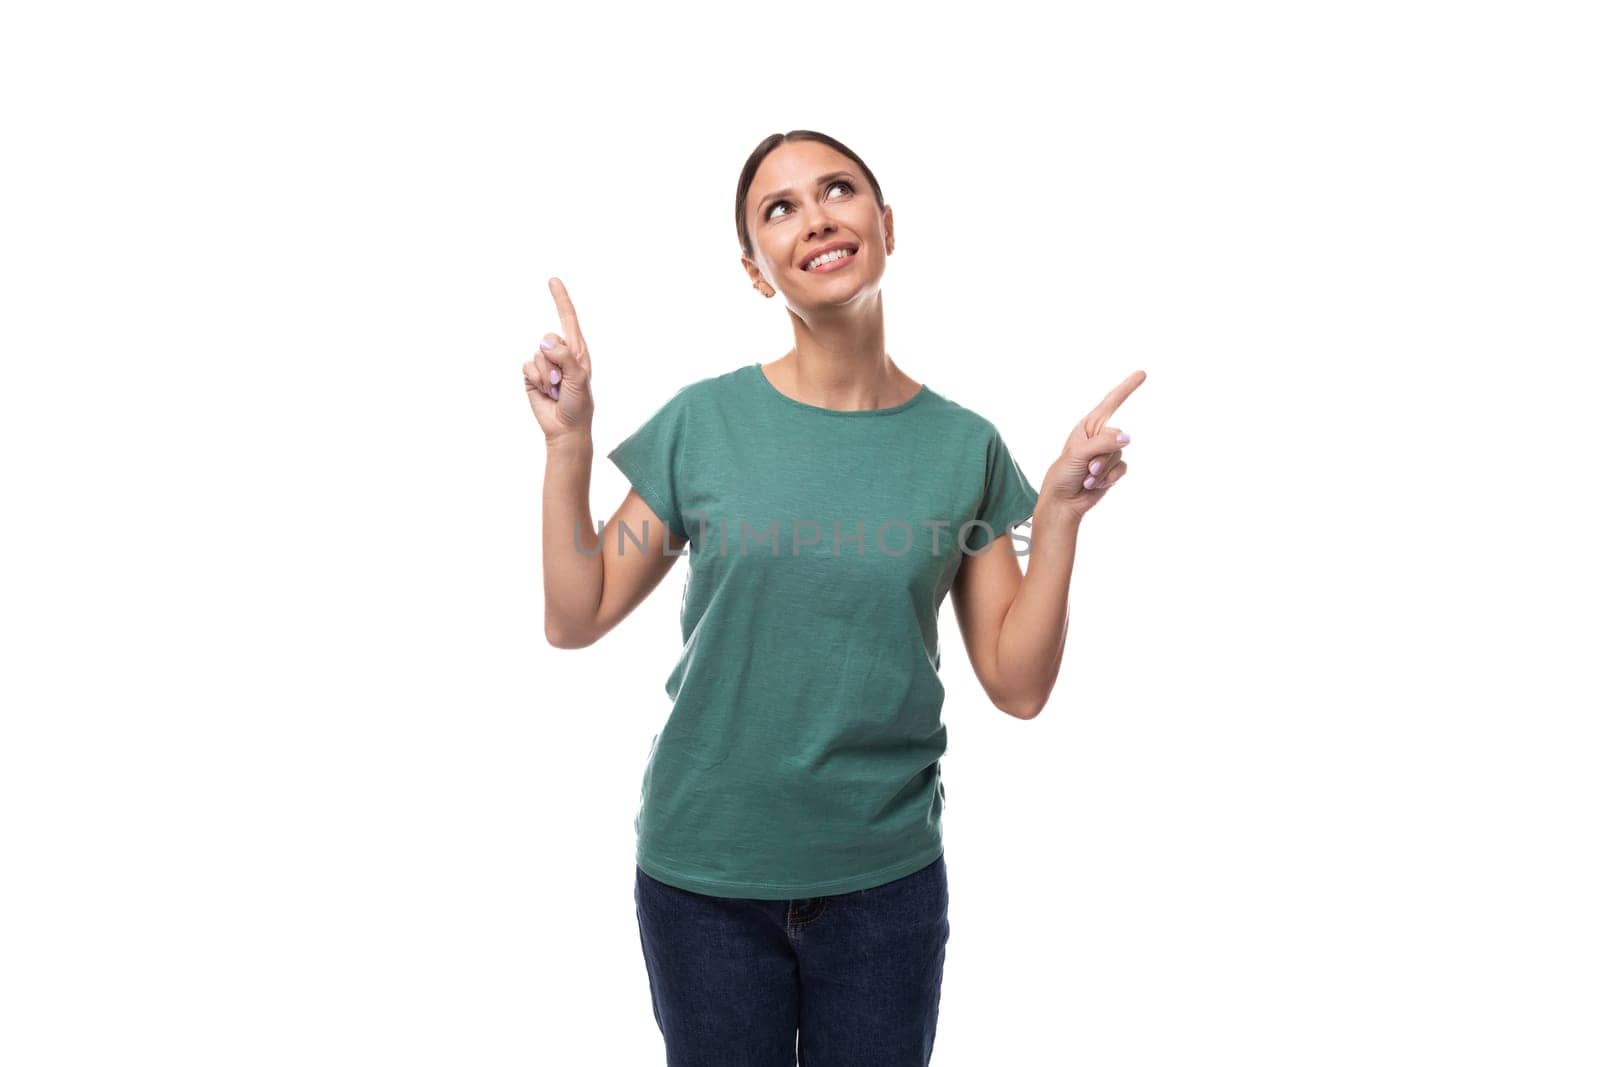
(1007, 496)
(651, 458)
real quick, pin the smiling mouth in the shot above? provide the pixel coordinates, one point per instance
(834, 263)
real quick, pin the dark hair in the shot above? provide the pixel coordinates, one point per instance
(748, 175)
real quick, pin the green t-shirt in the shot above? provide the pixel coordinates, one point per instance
(801, 754)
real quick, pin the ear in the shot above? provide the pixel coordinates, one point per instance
(888, 229)
(756, 279)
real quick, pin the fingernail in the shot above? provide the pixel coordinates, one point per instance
(1123, 438)
(555, 375)
(1094, 468)
(1088, 483)
(555, 392)
(547, 344)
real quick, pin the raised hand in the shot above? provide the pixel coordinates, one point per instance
(557, 377)
(1091, 462)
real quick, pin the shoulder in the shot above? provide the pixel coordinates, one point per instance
(690, 401)
(957, 419)
(708, 390)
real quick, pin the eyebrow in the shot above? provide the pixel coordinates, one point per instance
(790, 192)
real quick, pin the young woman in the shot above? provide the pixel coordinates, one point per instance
(790, 883)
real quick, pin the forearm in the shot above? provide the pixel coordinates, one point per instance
(1033, 636)
(573, 579)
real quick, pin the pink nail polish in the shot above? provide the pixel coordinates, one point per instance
(555, 375)
(555, 392)
(1094, 468)
(1088, 483)
(547, 344)
(1123, 438)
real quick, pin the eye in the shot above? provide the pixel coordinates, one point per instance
(840, 181)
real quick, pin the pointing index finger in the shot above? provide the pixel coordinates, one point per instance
(569, 314)
(1113, 400)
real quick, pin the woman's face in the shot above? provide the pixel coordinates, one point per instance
(806, 197)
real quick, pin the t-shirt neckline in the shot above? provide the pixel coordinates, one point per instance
(766, 386)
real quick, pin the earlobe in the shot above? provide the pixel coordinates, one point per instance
(758, 283)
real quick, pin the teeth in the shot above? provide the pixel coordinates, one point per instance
(829, 257)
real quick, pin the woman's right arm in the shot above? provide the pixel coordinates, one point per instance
(586, 592)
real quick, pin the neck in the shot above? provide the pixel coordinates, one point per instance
(839, 361)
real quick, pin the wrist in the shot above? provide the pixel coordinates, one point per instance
(572, 443)
(1052, 511)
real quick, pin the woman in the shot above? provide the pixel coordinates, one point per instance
(790, 884)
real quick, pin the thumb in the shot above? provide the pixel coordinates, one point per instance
(571, 368)
(1081, 442)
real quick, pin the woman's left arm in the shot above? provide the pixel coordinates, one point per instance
(1015, 625)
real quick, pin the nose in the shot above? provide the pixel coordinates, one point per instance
(817, 222)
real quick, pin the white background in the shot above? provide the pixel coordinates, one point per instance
(288, 771)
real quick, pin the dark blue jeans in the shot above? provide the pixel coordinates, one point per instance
(831, 981)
